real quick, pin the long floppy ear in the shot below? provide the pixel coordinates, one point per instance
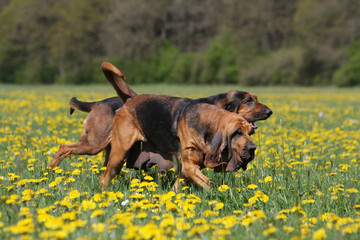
(234, 104)
(217, 148)
(115, 78)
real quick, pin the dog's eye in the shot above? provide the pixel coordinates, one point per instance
(237, 133)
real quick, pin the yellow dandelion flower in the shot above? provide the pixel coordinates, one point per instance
(319, 234)
(141, 215)
(148, 178)
(134, 183)
(12, 199)
(119, 195)
(53, 184)
(269, 230)
(98, 227)
(74, 194)
(238, 211)
(307, 201)
(288, 229)
(208, 213)
(88, 204)
(264, 198)
(268, 179)
(148, 231)
(76, 172)
(104, 204)
(97, 197)
(252, 186)
(219, 206)
(281, 217)
(223, 188)
(137, 196)
(352, 190)
(96, 213)
(54, 223)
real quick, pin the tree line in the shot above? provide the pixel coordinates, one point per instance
(257, 42)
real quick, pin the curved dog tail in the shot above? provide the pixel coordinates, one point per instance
(80, 105)
(115, 78)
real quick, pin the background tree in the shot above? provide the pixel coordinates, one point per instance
(255, 42)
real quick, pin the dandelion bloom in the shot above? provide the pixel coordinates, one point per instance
(223, 188)
(252, 186)
(74, 194)
(319, 234)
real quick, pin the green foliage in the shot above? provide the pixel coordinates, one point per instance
(349, 73)
(285, 66)
(223, 42)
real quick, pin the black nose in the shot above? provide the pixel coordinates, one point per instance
(268, 112)
(251, 147)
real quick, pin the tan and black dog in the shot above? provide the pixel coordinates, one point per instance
(98, 125)
(209, 136)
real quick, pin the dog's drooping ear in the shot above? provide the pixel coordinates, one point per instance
(217, 151)
(233, 106)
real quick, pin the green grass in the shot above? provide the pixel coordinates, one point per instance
(304, 181)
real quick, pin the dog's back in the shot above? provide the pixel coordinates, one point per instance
(158, 117)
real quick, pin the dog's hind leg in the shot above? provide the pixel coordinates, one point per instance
(95, 137)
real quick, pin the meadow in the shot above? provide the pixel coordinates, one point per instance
(302, 184)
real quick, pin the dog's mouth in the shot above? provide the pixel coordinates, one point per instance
(252, 124)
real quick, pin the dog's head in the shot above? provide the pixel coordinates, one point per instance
(231, 149)
(247, 105)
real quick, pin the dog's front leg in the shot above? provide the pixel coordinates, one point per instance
(191, 168)
(124, 135)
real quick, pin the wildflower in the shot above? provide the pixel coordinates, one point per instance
(269, 230)
(98, 227)
(137, 196)
(223, 188)
(252, 186)
(97, 197)
(219, 206)
(54, 223)
(307, 201)
(96, 213)
(148, 231)
(281, 217)
(88, 204)
(12, 199)
(74, 194)
(141, 215)
(198, 230)
(181, 225)
(76, 172)
(268, 179)
(319, 234)
(288, 229)
(148, 178)
(352, 190)
(208, 213)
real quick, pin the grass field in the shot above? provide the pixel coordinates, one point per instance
(302, 184)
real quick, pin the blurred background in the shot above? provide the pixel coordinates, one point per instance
(247, 42)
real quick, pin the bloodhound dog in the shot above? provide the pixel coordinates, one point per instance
(98, 125)
(209, 136)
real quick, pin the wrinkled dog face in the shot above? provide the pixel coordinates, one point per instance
(241, 149)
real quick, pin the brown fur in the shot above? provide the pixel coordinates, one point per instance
(209, 136)
(98, 125)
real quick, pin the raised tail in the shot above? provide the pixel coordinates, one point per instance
(115, 78)
(79, 105)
